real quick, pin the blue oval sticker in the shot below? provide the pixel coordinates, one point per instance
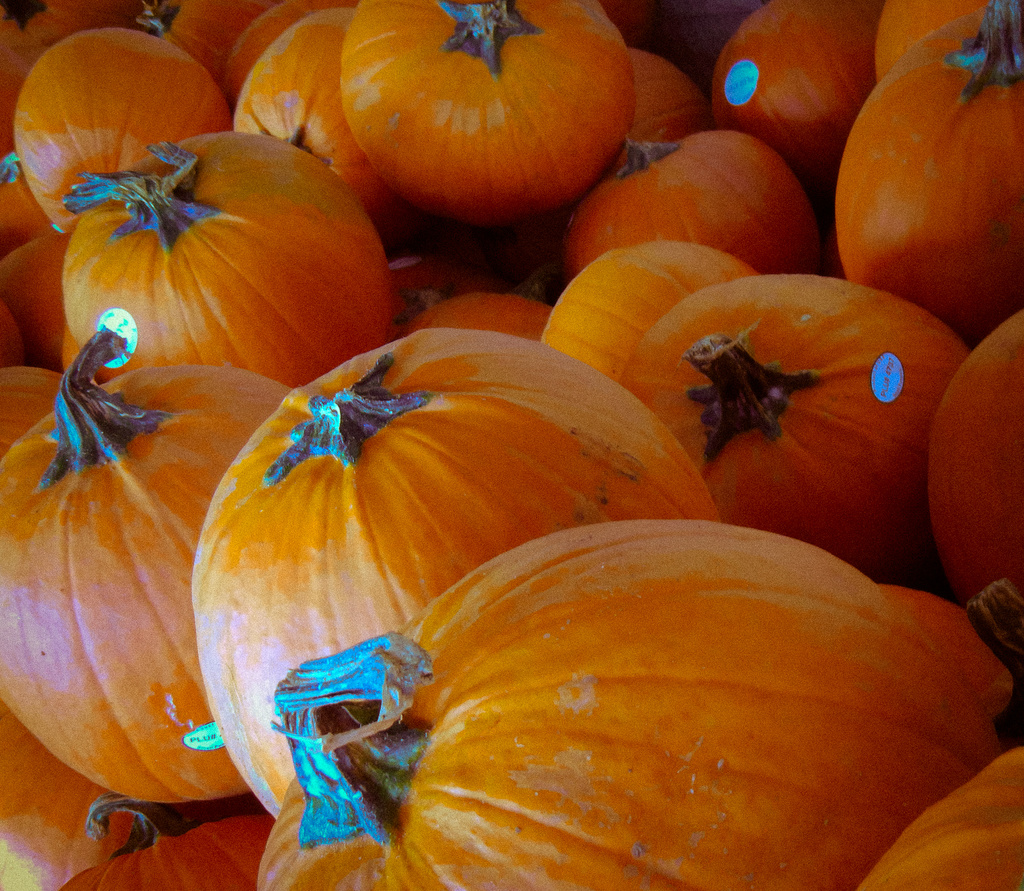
(741, 82)
(887, 377)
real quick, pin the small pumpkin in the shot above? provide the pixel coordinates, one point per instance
(43, 809)
(293, 92)
(103, 501)
(66, 124)
(795, 74)
(609, 304)
(631, 702)
(721, 188)
(518, 108)
(807, 403)
(927, 204)
(244, 250)
(208, 856)
(904, 22)
(378, 485)
(205, 29)
(669, 105)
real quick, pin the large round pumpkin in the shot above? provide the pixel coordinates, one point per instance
(378, 485)
(102, 501)
(245, 251)
(666, 704)
(491, 111)
(807, 402)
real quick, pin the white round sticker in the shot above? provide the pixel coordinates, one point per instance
(887, 377)
(741, 82)
(120, 321)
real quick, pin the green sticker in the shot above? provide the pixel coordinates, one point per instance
(205, 738)
(120, 321)
(887, 377)
(741, 82)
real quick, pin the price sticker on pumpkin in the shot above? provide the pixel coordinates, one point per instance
(741, 82)
(205, 738)
(120, 321)
(887, 377)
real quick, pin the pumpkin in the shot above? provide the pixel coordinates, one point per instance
(208, 856)
(976, 465)
(904, 22)
(30, 26)
(246, 251)
(26, 396)
(518, 106)
(43, 808)
(795, 74)
(66, 124)
(293, 92)
(609, 304)
(807, 401)
(449, 446)
(927, 203)
(720, 188)
(669, 105)
(205, 29)
(971, 838)
(260, 33)
(666, 703)
(31, 288)
(103, 501)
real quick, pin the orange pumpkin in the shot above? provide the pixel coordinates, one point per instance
(807, 402)
(976, 465)
(669, 105)
(26, 396)
(246, 251)
(209, 856)
(518, 107)
(205, 29)
(795, 75)
(30, 26)
(609, 304)
(927, 202)
(103, 500)
(293, 92)
(971, 838)
(509, 312)
(677, 703)
(904, 22)
(66, 124)
(260, 33)
(721, 188)
(451, 446)
(43, 808)
(30, 287)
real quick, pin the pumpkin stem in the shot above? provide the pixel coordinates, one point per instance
(481, 29)
(94, 426)
(21, 11)
(996, 55)
(537, 284)
(997, 615)
(157, 16)
(164, 204)
(419, 300)
(150, 821)
(641, 155)
(342, 424)
(10, 168)
(352, 754)
(743, 394)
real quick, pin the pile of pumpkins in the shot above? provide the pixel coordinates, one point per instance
(519, 444)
